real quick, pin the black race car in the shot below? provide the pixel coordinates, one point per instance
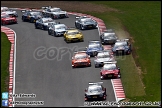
(108, 37)
(85, 23)
(31, 16)
(95, 91)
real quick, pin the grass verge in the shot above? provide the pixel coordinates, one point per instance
(5, 55)
(142, 20)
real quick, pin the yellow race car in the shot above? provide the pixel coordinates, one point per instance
(73, 35)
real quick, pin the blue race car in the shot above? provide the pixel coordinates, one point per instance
(122, 47)
(94, 47)
(31, 16)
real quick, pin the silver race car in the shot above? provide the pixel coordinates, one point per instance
(122, 47)
(85, 23)
(6, 10)
(108, 37)
(44, 23)
(54, 13)
(103, 56)
(95, 91)
(57, 30)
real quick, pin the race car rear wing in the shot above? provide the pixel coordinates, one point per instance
(26, 11)
(46, 7)
(113, 62)
(122, 40)
(95, 83)
(71, 28)
(109, 30)
(81, 17)
(79, 52)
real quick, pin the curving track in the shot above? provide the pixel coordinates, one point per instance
(53, 81)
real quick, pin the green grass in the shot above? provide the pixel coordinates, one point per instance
(5, 55)
(142, 20)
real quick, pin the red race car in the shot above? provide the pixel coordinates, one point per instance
(6, 19)
(81, 59)
(110, 70)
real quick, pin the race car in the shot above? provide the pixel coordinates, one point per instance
(85, 23)
(54, 12)
(57, 29)
(44, 23)
(108, 37)
(110, 70)
(31, 16)
(6, 10)
(95, 91)
(122, 47)
(103, 56)
(73, 35)
(93, 47)
(7, 19)
(80, 58)
(108, 48)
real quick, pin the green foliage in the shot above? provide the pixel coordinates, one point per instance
(5, 55)
(142, 19)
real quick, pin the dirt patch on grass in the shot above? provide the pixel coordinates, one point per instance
(64, 5)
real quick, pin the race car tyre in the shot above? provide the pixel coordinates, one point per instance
(76, 25)
(31, 20)
(82, 28)
(54, 33)
(101, 78)
(119, 75)
(96, 66)
(49, 32)
(36, 26)
(23, 19)
(82, 40)
(3, 23)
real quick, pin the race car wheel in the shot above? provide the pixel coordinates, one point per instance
(31, 20)
(96, 66)
(101, 77)
(76, 25)
(23, 19)
(49, 32)
(119, 75)
(82, 40)
(82, 28)
(36, 26)
(54, 33)
(3, 23)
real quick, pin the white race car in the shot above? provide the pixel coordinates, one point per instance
(6, 10)
(54, 13)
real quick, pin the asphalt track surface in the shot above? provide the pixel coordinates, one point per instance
(52, 79)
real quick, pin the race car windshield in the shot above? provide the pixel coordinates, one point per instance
(55, 10)
(110, 36)
(61, 27)
(102, 55)
(36, 13)
(5, 16)
(120, 44)
(89, 20)
(94, 46)
(80, 56)
(52, 23)
(49, 20)
(72, 33)
(109, 67)
(94, 89)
